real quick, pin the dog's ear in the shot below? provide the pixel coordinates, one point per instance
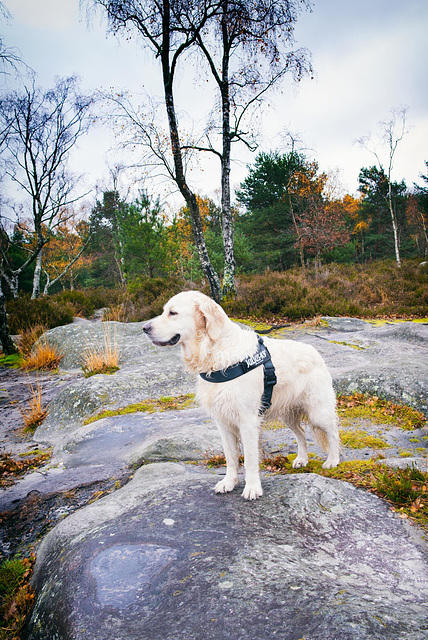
(210, 318)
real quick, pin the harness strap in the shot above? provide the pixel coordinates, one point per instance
(269, 383)
(261, 357)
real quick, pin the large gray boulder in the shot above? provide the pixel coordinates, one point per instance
(390, 360)
(143, 374)
(164, 557)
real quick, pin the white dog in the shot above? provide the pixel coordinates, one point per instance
(210, 343)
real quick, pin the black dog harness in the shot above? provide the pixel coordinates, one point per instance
(261, 357)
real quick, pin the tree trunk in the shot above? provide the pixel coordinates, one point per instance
(5, 339)
(188, 195)
(227, 219)
(37, 276)
(296, 229)
(394, 225)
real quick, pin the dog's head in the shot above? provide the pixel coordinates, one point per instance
(188, 317)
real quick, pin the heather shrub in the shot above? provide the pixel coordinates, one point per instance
(148, 295)
(25, 313)
(102, 297)
(368, 290)
(79, 301)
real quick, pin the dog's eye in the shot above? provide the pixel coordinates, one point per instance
(173, 313)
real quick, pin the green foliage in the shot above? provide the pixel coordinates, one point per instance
(150, 294)
(402, 486)
(25, 313)
(268, 197)
(144, 238)
(16, 596)
(13, 361)
(80, 302)
(128, 240)
(378, 239)
(372, 290)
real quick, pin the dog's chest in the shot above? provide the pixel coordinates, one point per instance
(231, 397)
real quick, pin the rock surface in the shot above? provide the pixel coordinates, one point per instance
(390, 360)
(164, 557)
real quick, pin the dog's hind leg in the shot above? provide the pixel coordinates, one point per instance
(231, 451)
(250, 440)
(294, 422)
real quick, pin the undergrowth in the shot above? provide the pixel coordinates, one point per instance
(380, 411)
(13, 468)
(16, 596)
(370, 290)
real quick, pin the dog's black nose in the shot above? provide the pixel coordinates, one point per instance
(147, 328)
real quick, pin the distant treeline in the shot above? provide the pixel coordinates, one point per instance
(287, 215)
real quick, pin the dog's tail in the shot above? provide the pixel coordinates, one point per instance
(321, 434)
(321, 438)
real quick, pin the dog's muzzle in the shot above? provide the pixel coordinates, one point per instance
(169, 343)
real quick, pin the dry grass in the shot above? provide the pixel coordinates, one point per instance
(123, 311)
(101, 359)
(42, 355)
(34, 414)
(28, 338)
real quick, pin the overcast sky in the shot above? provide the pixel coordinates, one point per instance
(369, 57)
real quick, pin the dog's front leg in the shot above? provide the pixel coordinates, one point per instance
(250, 440)
(231, 451)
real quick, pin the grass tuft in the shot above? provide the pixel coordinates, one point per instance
(35, 412)
(101, 359)
(16, 596)
(43, 356)
(28, 337)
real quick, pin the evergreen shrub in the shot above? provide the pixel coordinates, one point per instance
(24, 313)
(370, 290)
(79, 301)
(150, 294)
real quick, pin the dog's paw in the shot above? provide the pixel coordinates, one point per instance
(298, 463)
(252, 492)
(330, 464)
(226, 485)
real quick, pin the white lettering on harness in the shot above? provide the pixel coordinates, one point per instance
(256, 359)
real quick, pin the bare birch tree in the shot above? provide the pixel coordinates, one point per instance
(392, 132)
(164, 26)
(244, 35)
(42, 128)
